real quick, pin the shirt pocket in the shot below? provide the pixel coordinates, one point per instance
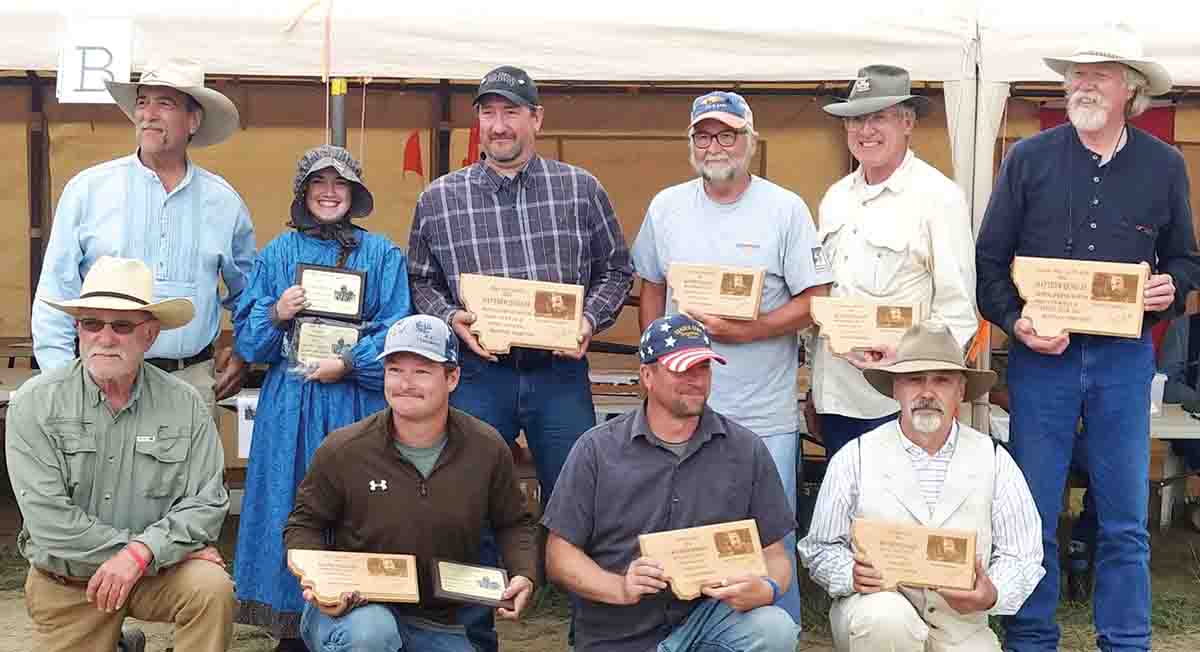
(78, 449)
(884, 252)
(160, 461)
(1138, 236)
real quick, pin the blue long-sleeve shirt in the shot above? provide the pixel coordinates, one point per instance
(191, 238)
(1053, 199)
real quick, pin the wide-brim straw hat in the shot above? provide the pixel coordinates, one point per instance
(929, 347)
(186, 76)
(125, 284)
(876, 88)
(1117, 44)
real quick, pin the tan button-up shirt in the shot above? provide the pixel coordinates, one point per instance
(906, 240)
(89, 481)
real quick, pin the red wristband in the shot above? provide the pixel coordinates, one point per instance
(141, 561)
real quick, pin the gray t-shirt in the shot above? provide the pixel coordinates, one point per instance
(768, 227)
(422, 458)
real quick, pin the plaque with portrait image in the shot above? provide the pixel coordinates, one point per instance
(696, 557)
(516, 312)
(470, 583)
(857, 325)
(313, 339)
(1082, 296)
(332, 291)
(376, 577)
(723, 291)
(917, 556)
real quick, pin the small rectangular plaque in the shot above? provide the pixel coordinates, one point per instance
(376, 577)
(732, 292)
(855, 325)
(917, 556)
(314, 339)
(702, 556)
(332, 291)
(470, 583)
(515, 312)
(1082, 296)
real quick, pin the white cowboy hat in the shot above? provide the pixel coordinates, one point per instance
(1118, 44)
(929, 347)
(187, 76)
(125, 284)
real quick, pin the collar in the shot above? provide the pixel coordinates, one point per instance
(500, 182)
(151, 174)
(1122, 141)
(898, 180)
(916, 452)
(94, 396)
(708, 426)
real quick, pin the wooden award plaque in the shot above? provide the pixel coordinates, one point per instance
(917, 556)
(703, 556)
(514, 312)
(732, 292)
(1081, 296)
(376, 577)
(856, 325)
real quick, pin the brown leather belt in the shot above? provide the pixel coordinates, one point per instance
(172, 364)
(62, 579)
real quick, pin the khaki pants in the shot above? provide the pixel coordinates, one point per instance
(202, 376)
(197, 596)
(888, 622)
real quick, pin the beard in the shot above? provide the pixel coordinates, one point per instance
(927, 416)
(1088, 111)
(719, 171)
(682, 408)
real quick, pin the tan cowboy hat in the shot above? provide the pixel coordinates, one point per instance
(1118, 44)
(929, 347)
(125, 284)
(187, 76)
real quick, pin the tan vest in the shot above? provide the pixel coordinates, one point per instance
(889, 490)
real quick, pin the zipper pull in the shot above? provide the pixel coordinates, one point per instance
(423, 489)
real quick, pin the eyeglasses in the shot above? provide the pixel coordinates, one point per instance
(119, 326)
(876, 120)
(724, 139)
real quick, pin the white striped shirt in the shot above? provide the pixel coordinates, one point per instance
(1016, 563)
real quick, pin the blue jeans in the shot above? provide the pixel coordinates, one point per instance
(1106, 381)
(785, 449)
(715, 627)
(375, 628)
(838, 430)
(550, 399)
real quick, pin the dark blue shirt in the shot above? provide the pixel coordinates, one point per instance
(618, 482)
(1053, 199)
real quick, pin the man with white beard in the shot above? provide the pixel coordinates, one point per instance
(728, 216)
(1095, 189)
(926, 469)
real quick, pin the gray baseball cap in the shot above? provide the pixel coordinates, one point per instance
(426, 336)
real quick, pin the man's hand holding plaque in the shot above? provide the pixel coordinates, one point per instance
(339, 581)
(507, 312)
(1080, 296)
(863, 332)
(717, 290)
(693, 559)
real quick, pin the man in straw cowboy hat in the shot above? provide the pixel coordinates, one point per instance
(927, 469)
(1095, 189)
(894, 231)
(118, 471)
(187, 224)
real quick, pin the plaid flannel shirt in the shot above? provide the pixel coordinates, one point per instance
(551, 222)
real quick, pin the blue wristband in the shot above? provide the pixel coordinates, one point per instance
(774, 589)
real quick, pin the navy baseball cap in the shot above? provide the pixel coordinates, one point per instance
(424, 335)
(678, 342)
(511, 83)
(729, 108)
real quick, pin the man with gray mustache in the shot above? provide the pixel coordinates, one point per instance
(924, 468)
(1095, 189)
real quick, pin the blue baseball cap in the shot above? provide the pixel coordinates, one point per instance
(426, 336)
(677, 342)
(729, 108)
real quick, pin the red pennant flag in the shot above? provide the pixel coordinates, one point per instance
(472, 147)
(412, 154)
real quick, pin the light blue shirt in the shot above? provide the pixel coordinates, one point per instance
(191, 237)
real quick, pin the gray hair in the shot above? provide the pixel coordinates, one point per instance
(1135, 82)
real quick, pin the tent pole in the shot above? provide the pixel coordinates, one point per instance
(337, 111)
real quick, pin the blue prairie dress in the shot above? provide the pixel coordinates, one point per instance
(294, 415)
